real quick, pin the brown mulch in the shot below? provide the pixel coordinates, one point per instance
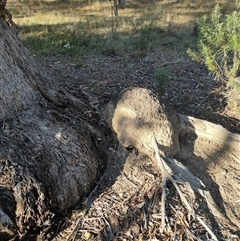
(190, 91)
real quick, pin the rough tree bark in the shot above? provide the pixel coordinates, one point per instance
(49, 157)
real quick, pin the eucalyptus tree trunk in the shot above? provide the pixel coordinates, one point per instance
(49, 156)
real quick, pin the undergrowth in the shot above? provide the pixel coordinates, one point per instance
(219, 50)
(161, 78)
(78, 28)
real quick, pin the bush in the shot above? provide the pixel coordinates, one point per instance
(219, 50)
(161, 78)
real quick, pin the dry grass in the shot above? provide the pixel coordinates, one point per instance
(89, 26)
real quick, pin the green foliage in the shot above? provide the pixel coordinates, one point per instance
(219, 48)
(161, 78)
(142, 34)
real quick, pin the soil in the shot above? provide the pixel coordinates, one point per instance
(125, 205)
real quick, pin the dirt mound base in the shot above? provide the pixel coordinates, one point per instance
(135, 115)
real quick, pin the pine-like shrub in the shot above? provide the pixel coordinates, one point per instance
(219, 50)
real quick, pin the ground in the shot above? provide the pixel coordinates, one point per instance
(125, 203)
(191, 90)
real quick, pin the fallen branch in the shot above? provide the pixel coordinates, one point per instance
(182, 174)
(166, 176)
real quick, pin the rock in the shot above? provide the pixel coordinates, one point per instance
(135, 115)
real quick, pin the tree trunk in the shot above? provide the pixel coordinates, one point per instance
(49, 157)
(115, 7)
(118, 4)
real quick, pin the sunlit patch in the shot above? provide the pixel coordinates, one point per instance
(61, 137)
(58, 136)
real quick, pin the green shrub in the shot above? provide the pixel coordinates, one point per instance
(161, 78)
(142, 34)
(219, 49)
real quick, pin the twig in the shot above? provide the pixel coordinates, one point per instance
(168, 63)
(73, 234)
(87, 204)
(163, 198)
(166, 176)
(235, 158)
(5, 229)
(5, 220)
(108, 230)
(207, 228)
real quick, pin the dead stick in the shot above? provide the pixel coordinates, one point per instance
(5, 229)
(163, 199)
(166, 176)
(168, 63)
(73, 234)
